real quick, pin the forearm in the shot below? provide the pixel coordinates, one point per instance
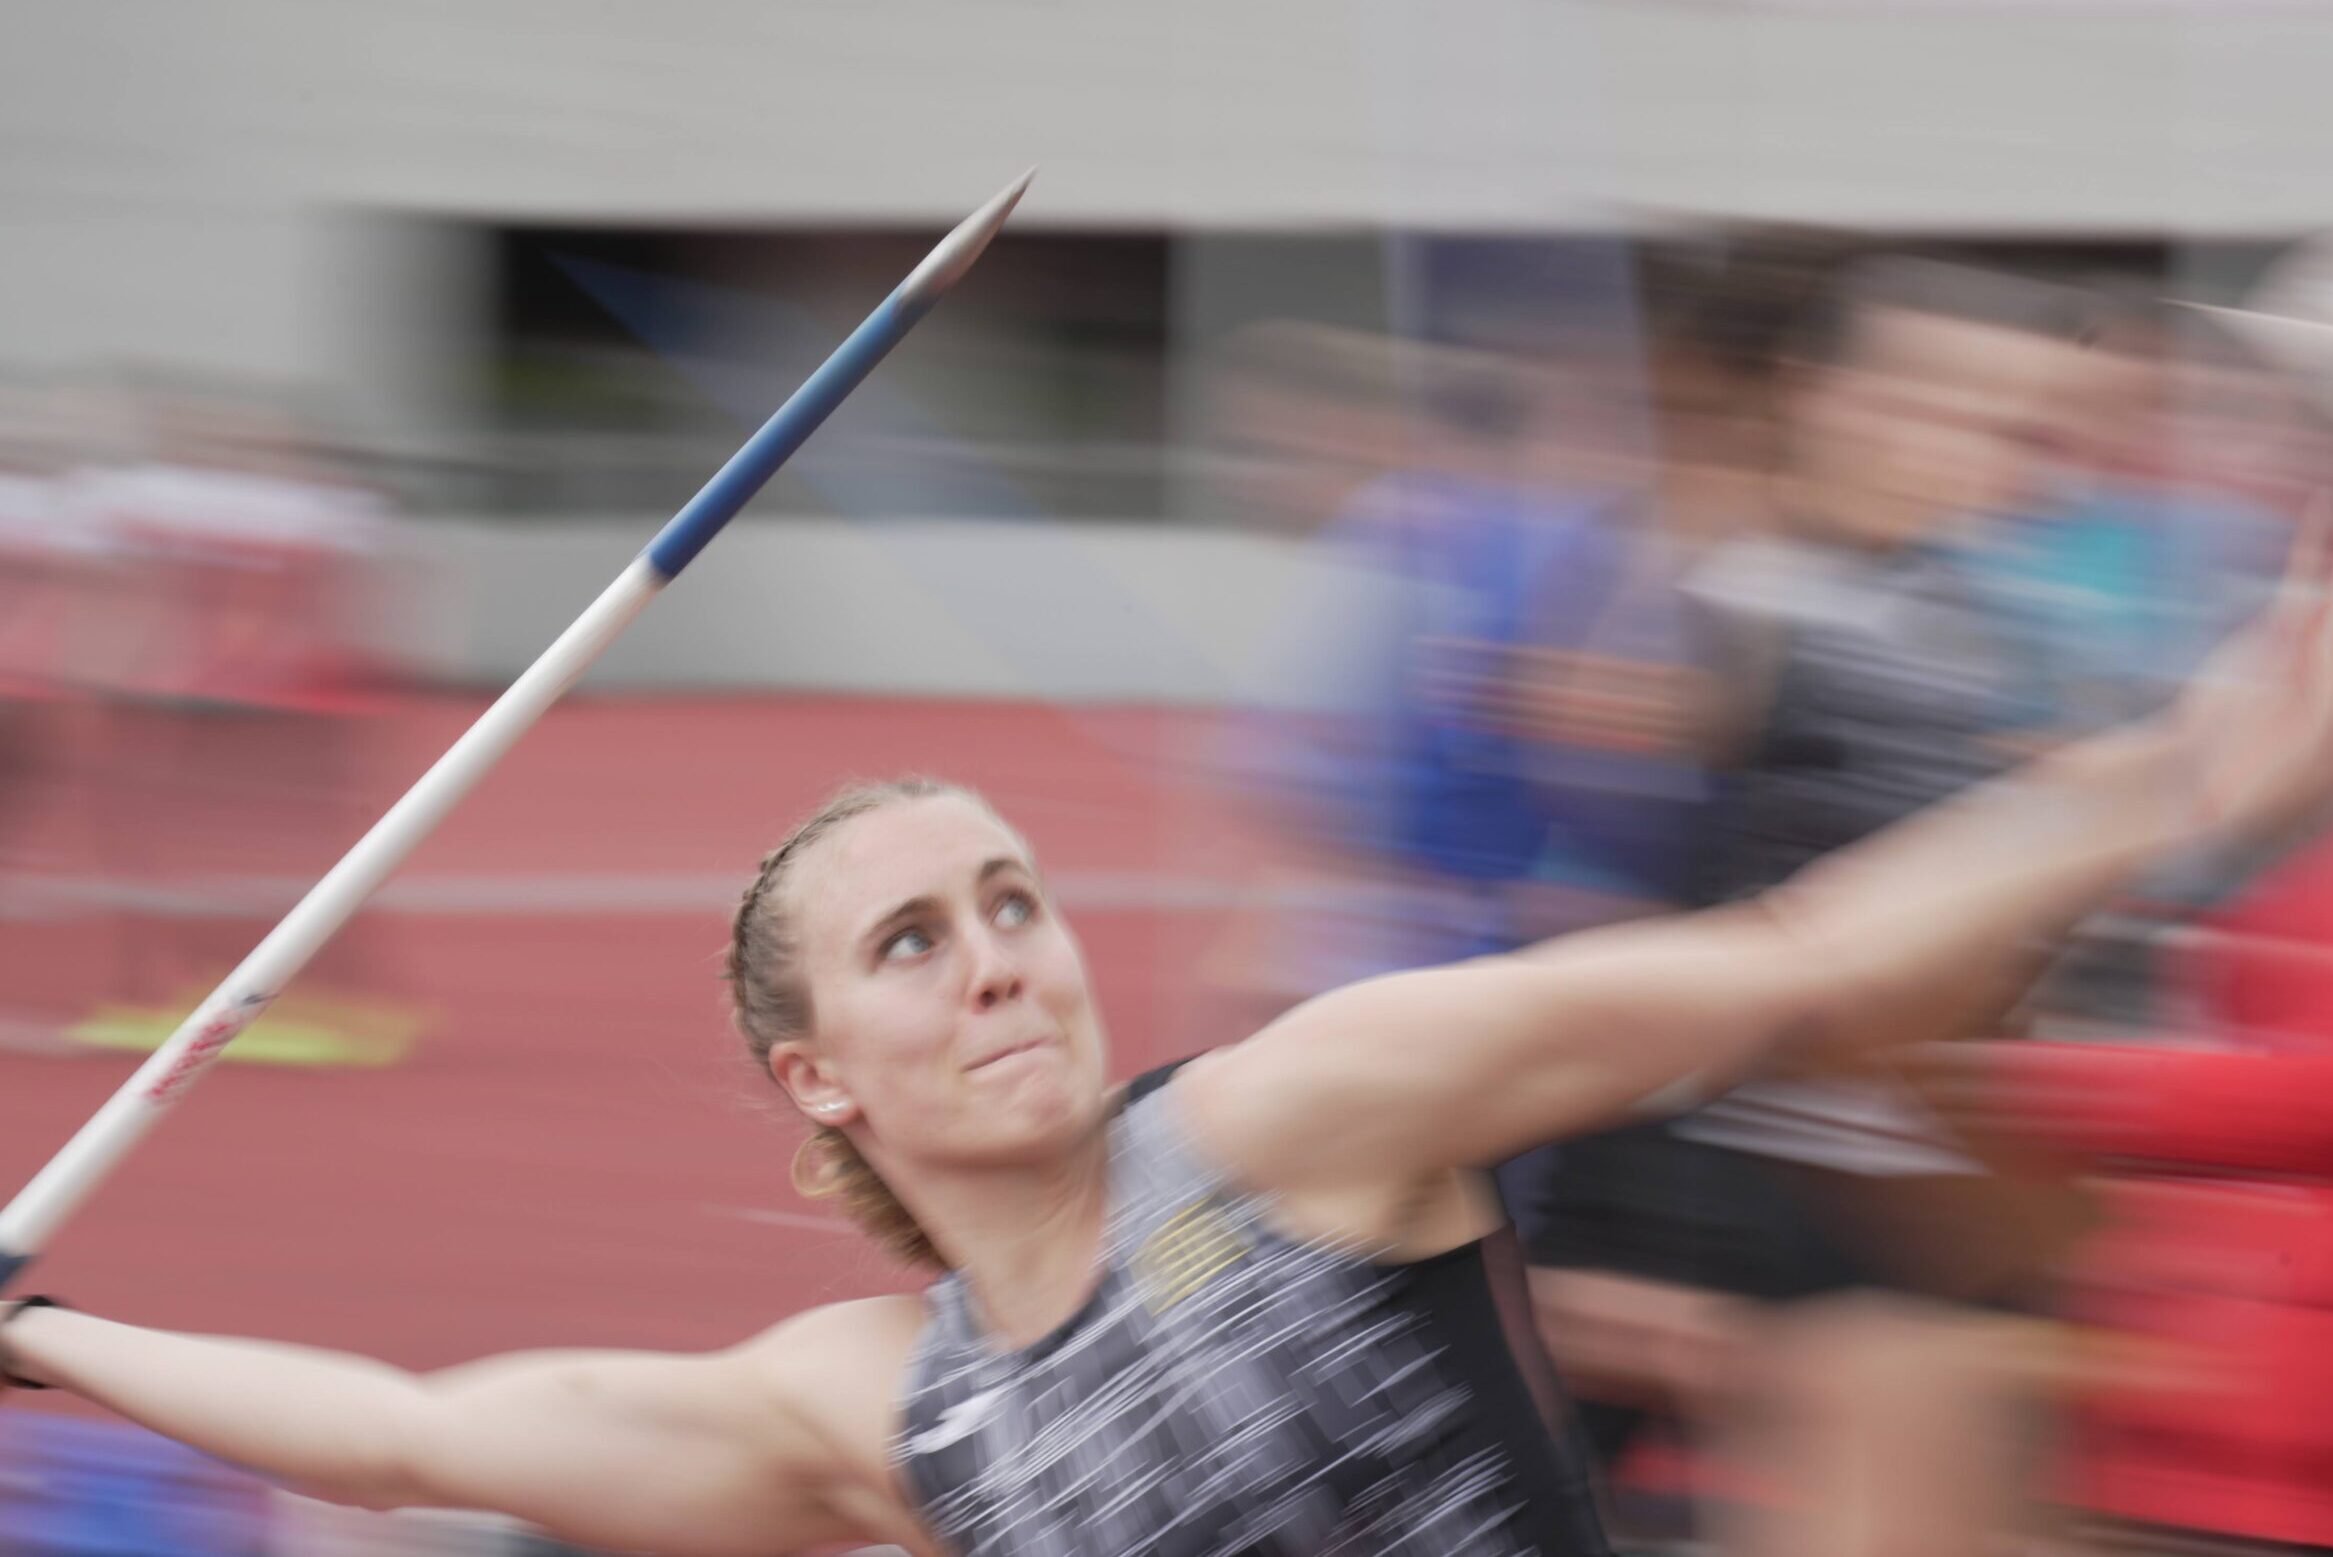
(1939, 921)
(329, 1423)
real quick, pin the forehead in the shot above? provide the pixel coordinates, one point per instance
(869, 865)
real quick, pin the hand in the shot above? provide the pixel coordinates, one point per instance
(2254, 729)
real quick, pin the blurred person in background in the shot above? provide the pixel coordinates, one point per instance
(247, 585)
(1612, 695)
(1621, 747)
(1495, 739)
(1506, 743)
(1473, 760)
(2183, 464)
(2208, 1129)
(1303, 418)
(1716, 315)
(2262, 426)
(2178, 486)
(1794, 1252)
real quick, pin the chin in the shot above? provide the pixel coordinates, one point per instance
(1065, 1105)
(1040, 1117)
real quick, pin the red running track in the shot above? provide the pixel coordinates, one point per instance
(577, 1153)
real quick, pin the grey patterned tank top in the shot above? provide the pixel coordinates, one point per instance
(1230, 1391)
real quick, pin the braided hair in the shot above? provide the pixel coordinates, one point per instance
(771, 1005)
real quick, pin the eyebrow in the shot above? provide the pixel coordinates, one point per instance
(914, 907)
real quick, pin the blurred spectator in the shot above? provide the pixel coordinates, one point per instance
(1716, 316)
(1509, 744)
(2180, 470)
(245, 587)
(1865, 677)
(2263, 972)
(2211, 1138)
(2167, 510)
(1479, 758)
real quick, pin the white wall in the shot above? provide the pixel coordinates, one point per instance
(175, 178)
(1095, 613)
(221, 185)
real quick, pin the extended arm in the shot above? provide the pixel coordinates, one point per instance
(713, 1453)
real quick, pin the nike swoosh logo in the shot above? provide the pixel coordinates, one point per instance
(958, 1422)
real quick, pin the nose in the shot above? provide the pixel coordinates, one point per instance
(996, 976)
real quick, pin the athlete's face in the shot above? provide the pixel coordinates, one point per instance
(951, 1016)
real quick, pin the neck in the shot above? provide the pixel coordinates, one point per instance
(1027, 1240)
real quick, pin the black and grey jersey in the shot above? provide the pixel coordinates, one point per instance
(1227, 1390)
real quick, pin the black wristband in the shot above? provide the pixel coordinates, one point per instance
(12, 1311)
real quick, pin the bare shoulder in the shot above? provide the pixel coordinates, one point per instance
(1236, 1103)
(1225, 1103)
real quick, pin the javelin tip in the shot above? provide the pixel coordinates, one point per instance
(947, 263)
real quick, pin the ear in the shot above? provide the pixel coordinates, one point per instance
(814, 1091)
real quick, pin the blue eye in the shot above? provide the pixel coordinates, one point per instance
(1017, 909)
(910, 942)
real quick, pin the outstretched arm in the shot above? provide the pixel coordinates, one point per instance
(1918, 931)
(710, 1454)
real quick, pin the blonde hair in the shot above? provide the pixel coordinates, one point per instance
(771, 1005)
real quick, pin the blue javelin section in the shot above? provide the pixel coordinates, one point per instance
(735, 483)
(731, 345)
(11, 1266)
(981, 587)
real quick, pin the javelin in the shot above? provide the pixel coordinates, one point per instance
(43, 1204)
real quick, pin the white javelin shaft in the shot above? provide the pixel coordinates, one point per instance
(127, 1115)
(42, 1206)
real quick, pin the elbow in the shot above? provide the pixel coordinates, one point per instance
(397, 1472)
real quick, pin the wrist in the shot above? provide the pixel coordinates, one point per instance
(16, 1319)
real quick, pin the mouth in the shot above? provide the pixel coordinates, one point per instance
(1014, 1051)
